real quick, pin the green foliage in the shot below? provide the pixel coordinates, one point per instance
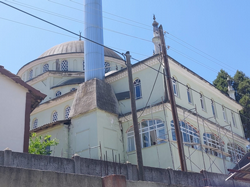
(241, 85)
(221, 81)
(38, 144)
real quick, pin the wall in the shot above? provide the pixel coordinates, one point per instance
(17, 171)
(12, 115)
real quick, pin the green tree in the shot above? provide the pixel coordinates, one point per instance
(241, 85)
(39, 144)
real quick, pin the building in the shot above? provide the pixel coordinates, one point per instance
(18, 100)
(92, 118)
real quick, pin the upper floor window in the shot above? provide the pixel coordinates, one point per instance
(213, 108)
(30, 74)
(67, 111)
(202, 101)
(152, 132)
(189, 95)
(233, 119)
(189, 134)
(45, 68)
(213, 144)
(54, 116)
(175, 87)
(137, 86)
(107, 67)
(236, 152)
(35, 123)
(83, 66)
(224, 113)
(64, 65)
(58, 93)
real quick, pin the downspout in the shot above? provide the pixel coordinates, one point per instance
(27, 123)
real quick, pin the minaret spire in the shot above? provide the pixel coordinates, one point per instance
(156, 39)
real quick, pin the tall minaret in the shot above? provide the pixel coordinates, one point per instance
(93, 30)
(156, 39)
(230, 89)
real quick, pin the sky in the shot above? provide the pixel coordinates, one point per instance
(205, 36)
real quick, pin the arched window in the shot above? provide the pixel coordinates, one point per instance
(67, 111)
(175, 87)
(30, 74)
(214, 144)
(137, 86)
(45, 68)
(236, 152)
(58, 93)
(202, 101)
(107, 67)
(35, 123)
(213, 108)
(64, 65)
(189, 95)
(54, 116)
(83, 65)
(73, 89)
(189, 134)
(152, 132)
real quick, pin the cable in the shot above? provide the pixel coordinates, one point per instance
(59, 27)
(79, 21)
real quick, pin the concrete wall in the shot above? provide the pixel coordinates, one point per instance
(12, 115)
(100, 168)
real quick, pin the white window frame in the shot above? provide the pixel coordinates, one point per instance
(189, 95)
(233, 119)
(224, 113)
(54, 116)
(202, 102)
(237, 152)
(213, 141)
(175, 87)
(154, 128)
(213, 106)
(190, 135)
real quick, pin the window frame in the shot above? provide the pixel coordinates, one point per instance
(64, 65)
(45, 68)
(175, 87)
(224, 113)
(213, 107)
(35, 123)
(212, 140)
(237, 152)
(137, 88)
(57, 93)
(107, 67)
(66, 112)
(54, 116)
(202, 102)
(31, 73)
(233, 119)
(189, 95)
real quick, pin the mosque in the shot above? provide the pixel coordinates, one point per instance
(88, 110)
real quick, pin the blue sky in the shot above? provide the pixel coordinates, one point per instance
(205, 36)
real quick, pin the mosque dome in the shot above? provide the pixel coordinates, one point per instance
(74, 47)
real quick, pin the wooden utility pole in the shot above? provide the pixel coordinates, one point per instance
(135, 121)
(172, 102)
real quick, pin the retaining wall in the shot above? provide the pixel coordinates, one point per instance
(78, 165)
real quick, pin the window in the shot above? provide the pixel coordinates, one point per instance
(224, 114)
(83, 66)
(67, 111)
(107, 67)
(47, 148)
(45, 68)
(35, 123)
(64, 65)
(213, 108)
(152, 132)
(189, 134)
(54, 116)
(202, 101)
(175, 88)
(137, 86)
(236, 152)
(233, 119)
(73, 89)
(58, 93)
(214, 144)
(189, 95)
(30, 74)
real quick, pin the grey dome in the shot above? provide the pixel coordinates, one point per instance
(75, 47)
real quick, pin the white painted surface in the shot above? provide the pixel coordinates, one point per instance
(12, 115)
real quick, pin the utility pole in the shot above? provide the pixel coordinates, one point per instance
(172, 102)
(135, 121)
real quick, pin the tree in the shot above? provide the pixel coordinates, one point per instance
(241, 85)
(39, 144)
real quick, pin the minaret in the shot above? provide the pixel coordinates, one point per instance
(93, 30)
(156, 39)
(231, 91)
